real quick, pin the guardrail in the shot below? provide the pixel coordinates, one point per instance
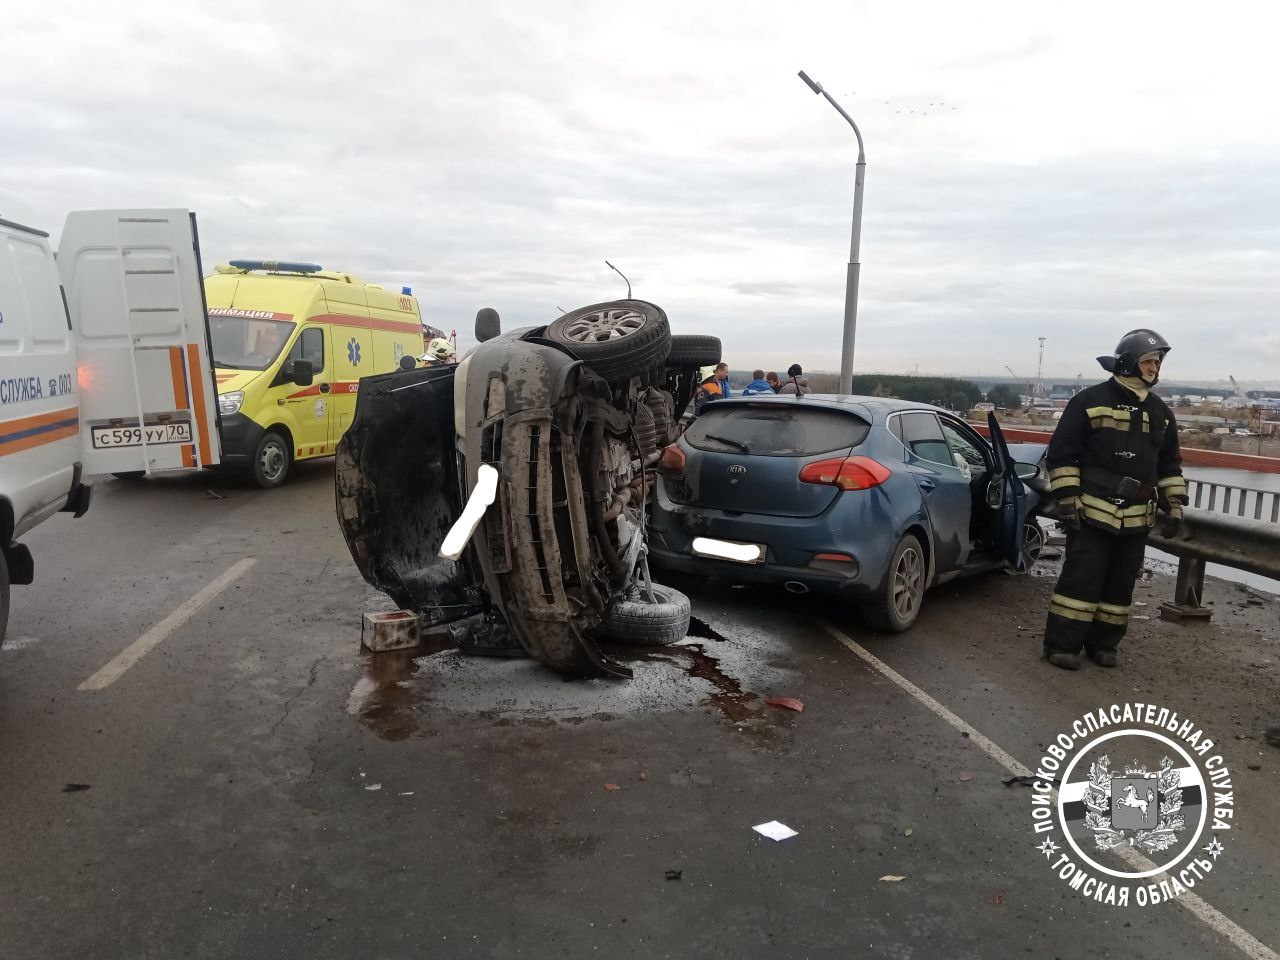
(1242, 501)
(1213, 538)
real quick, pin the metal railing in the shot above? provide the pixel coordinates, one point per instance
(1245, 502)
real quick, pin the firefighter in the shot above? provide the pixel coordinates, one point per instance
(1113, 459)
(439, 353)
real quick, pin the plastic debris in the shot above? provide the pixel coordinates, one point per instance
(612, 787)
(906, 832)
(995, 899)
(892, 878)
(965, 776)
(786, 703)
(373, 786)
(775, 830)
(674, 874)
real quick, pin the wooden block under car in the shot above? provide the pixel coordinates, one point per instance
(389, 630)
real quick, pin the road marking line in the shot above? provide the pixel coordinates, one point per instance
(1240, 938)
(131, 654)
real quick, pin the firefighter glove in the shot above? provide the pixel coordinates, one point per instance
(1172, 525)
(1069, 513)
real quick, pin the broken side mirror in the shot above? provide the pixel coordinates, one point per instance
(302, 372)
(488, 324)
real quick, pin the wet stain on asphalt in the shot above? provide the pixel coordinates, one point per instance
(704, 631)
(391, 703)
(732, 702)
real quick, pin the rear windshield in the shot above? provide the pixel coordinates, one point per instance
(775, 430)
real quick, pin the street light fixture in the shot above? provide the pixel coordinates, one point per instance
(851, 276)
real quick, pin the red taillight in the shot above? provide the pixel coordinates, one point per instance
(852, 473)
(672, 457)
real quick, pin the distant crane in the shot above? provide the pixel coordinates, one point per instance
(1024, 384)
(1235, 386)
(1035, 389)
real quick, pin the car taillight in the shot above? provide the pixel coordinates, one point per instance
(672, 457)
(847, 473)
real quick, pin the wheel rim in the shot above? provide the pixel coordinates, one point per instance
(272, 461)
(601, 326)
(1032, 541)
(907, 578)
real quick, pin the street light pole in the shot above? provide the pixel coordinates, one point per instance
(855, 267)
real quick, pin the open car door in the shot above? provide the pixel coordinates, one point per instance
(1007, 497)
(135, 295)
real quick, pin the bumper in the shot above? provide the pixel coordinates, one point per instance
(240, 437)
(792, 546)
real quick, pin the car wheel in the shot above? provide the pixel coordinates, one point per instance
(635, 621)
(271, 461)
(898, 604)
(1032, 541)
(4, 596)
(615, 339)
(694, 350)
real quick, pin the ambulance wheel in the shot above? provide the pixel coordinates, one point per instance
(271, 461)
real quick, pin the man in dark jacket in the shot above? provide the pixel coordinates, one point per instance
(796, 381)
(1113, 458)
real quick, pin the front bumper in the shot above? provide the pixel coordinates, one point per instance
(240, 438)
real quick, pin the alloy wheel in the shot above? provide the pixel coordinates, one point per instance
(908, 576)
(603, 325)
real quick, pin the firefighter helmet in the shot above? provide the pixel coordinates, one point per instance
(1133, 346)
(440, 349)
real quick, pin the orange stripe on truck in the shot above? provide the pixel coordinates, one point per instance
(24, 433)
(197, 388)
(178, 377)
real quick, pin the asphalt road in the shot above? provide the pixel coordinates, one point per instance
(250, 784)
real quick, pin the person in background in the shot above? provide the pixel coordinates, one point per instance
(722, 378)
(758, 385)
(707, 391)
(774, 381)
(796, 383)
(439, 353)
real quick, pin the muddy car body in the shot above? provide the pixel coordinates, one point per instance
(573, 417)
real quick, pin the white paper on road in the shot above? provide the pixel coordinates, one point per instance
(775, 830)
(486, 490)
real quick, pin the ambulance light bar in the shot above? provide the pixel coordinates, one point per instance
(276, 266)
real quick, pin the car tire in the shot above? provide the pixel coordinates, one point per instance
(4, 597)
(616, 339)
(897, 606)
(271, 460)
(1032, 541)
(634, 621)
(694, 350)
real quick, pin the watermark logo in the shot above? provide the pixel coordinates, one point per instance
(1131, 805)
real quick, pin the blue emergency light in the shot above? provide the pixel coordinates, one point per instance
(276, 266)
(407, 291)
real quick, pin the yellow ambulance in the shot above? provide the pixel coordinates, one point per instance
(290, 344)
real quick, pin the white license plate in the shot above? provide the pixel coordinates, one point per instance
(155, 433)
(728, 550)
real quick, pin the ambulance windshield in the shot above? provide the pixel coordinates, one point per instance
(242, 343)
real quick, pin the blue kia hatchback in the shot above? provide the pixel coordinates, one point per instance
(872, 499)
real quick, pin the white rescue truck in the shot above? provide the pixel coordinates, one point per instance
(105, 365)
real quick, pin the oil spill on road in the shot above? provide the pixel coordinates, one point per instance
(704, 631)
(732, 702)
(386, 700)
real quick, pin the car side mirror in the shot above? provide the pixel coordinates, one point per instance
(1026, 471)
(488, 324)
(302, 372)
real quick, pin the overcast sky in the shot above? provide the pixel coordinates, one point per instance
(1033, 170)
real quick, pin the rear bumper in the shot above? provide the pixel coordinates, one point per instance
(791, 546)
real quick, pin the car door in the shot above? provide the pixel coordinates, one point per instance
(138, 315)
(1006, 495)
(311, 407)
(944, 487)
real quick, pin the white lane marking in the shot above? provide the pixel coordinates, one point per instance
(131, 654)
(1240, 938)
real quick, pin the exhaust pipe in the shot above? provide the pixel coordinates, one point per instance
(795, 586)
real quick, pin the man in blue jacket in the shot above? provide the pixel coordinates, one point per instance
(758, 385)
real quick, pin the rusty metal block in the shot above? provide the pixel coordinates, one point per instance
(389, 630)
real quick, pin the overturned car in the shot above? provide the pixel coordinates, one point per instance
(515, 485)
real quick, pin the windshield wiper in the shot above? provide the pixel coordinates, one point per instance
(227, 366)
(733, 443)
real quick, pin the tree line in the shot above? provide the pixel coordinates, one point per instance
(949, 392)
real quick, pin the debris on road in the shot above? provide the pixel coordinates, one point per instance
(775, 830)
(995, 899)
(373, 786)
(674, 874)
(389, 630)
(642, 775)
(214, 495)
(612, 787)
(892, 878)
(75, 787)
(906, 832)
(786, 703)
(965, 776)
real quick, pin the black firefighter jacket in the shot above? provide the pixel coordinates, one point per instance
(1118, 455)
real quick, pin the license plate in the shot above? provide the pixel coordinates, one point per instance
(153, 433)
(728, 550)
